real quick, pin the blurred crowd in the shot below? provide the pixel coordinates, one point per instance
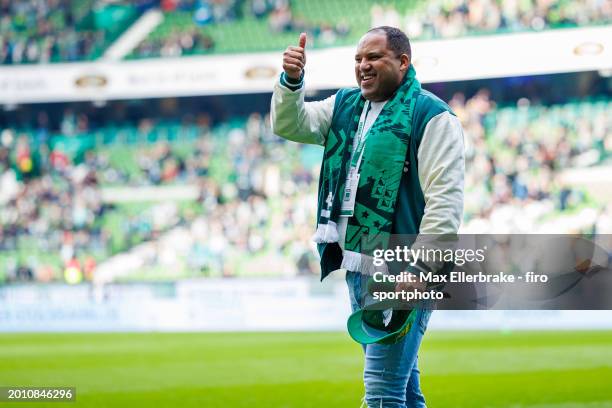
(33, 31)
(42, 31)
(256, 197)
(263, 208)
(515, 157)
(58, 212)
(51, 203)
(282, 19)
(424, 20)
(39, 31)
(192, 39)
(455, 18)
(255, 194)
(54, 223)
(180, 42)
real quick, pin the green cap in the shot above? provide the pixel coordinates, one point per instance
(367, 326)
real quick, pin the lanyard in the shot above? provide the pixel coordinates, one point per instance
(352, 180)
(361, 139)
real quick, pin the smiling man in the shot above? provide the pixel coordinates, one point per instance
(393, 164)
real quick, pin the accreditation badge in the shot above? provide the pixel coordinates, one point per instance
(350, 193)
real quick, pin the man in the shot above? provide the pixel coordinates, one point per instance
(393, 164)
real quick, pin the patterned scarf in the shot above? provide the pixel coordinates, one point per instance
(381, 172)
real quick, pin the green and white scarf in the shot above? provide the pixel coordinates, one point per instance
(381, 171)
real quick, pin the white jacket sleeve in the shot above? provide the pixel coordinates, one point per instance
(441, 172)
(441, 175)
(299, 121)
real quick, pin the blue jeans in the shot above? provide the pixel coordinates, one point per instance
(391, 375)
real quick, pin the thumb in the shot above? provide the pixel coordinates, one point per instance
(302, 40)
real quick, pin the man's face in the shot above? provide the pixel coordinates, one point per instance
(378, 70)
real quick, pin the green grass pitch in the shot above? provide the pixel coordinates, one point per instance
(459, 369)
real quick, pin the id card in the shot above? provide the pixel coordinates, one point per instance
(350, 193)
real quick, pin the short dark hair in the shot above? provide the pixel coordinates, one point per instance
(397, 40)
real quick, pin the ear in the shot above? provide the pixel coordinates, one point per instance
(404, 62)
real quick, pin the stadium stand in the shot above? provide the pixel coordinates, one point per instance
(449, 19)
(515, 154)
(234, 26)
(41, 31)
(253, 213)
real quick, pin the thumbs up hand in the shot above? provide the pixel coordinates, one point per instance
(294, 59)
